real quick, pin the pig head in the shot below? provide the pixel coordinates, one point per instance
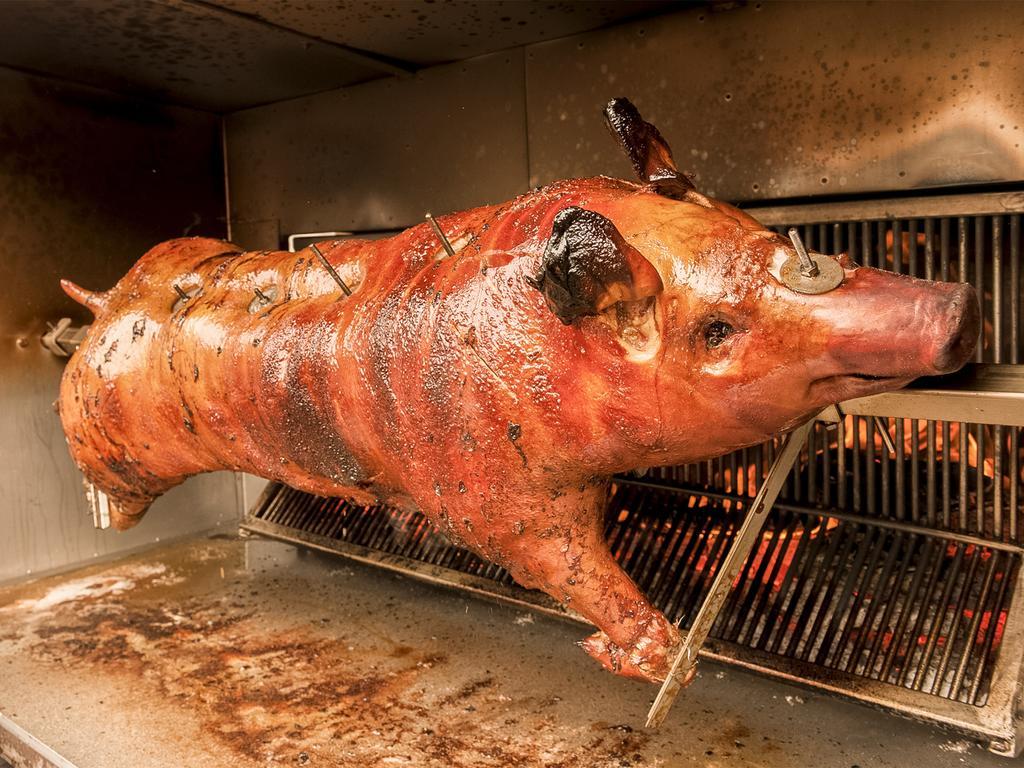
(587, 328)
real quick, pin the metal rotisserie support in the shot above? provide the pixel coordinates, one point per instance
(888, 577)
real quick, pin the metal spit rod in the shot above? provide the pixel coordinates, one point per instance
(683, 665)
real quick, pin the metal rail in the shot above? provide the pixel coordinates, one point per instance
(21, 748)
(979, 394)
(935, 206)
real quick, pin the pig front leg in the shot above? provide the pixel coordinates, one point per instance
(562, 551)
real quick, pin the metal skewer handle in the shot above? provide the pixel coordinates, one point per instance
(746, 537)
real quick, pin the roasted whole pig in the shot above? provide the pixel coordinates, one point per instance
(589, 327)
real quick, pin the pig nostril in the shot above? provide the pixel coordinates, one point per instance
(965, 322)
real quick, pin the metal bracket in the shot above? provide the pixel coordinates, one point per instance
(683, 666)
(99, 505)
(834, 414)
(806, 274)
(63, 338)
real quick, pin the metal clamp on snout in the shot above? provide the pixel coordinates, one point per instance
(805, 274)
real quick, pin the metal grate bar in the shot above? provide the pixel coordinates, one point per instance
(971, 475)
(894, 606)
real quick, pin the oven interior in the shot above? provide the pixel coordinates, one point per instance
(889, 577)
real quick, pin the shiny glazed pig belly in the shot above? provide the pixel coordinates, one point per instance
(588, 328)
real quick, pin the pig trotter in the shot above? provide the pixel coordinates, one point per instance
(647, 658)
(126, 514)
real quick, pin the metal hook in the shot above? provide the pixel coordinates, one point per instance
(440, 235)
(330, 269)
(883, 429)
(881, 426)
(836, 415)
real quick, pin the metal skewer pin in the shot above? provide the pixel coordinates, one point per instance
(333, 273)
(181, 294)
(805, 274)
(808, 268)
(440, 235)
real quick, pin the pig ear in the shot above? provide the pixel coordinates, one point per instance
(647, 150)
(588, 267)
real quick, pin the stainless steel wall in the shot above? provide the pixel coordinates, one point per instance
(762, 101)
(785, 99)
(88, 182)
(379, 155)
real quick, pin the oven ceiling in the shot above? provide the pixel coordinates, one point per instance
(231, 54)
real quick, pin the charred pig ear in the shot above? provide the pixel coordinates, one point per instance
(647, 149)
(588, 267)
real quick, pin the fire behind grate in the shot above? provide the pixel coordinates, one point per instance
(887, 578)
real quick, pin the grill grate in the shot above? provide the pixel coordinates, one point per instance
(896, 606)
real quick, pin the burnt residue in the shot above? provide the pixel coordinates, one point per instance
(268, 685)
(514, 433)
(189, 419)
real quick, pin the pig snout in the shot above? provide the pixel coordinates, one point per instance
(884, 327)
(958, 332)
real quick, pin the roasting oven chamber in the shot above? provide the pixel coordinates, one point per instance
(888, 131)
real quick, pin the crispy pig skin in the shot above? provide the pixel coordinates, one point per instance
(497, 390)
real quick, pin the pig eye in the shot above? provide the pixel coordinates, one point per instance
(716, 332)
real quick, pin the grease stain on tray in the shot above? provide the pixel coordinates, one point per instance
(271, 688)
